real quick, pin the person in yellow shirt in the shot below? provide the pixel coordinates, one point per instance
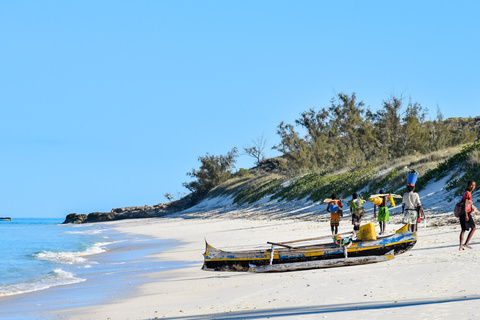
(357, 210)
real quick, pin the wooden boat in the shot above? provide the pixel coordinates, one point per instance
(219, 260)
(5, 219)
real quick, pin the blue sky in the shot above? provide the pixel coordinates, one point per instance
(107, 104)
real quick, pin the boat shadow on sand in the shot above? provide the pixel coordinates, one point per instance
(324, 309)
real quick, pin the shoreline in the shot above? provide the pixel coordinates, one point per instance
(110, 275)
(427, 280)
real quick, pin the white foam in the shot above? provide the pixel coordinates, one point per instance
(56, 278)
(88, 231)
(69, 257)
(61, 257)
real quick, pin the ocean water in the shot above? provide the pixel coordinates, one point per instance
(37, 254)
(46, 267)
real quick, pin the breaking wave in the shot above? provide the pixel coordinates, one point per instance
(69, 257)
(55, 278)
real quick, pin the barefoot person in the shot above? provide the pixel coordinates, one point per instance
(383, 214)
(334, 208)
(357, 210)
(466, 220)
(411, 208)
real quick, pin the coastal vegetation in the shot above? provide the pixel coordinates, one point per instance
(346, 135)
(460, 164)
(346, 147)
(214, 170)
(463, 166)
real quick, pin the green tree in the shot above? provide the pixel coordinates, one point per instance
(387, 123)
(416, 135)
(346, 135)
(213, 171)
(294, 148)
(316, 147)
(335, 136)
(347, 118)
(437, 130)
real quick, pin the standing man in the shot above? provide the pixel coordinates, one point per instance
(466, 220)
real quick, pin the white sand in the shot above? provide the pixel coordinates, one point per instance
(432, 281)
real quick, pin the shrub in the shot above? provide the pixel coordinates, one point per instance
(242, 173)
(257, 191)
(213, 171)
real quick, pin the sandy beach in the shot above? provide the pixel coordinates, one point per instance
(434, 280)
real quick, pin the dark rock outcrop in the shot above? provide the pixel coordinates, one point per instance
(75, 218)
(100, 216)
(158, 210)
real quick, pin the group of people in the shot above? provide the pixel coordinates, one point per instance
(412, 212)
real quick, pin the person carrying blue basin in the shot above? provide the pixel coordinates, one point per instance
(411, 206)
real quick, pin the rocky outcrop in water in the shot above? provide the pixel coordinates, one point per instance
(118, 214)
(158, 210)
(75, 218)
(100, 216)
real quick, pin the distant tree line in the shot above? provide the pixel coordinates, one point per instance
(348, 135)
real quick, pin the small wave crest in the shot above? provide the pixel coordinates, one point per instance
(60, 257)
(55, 278)
(70, 257)
(88, 231)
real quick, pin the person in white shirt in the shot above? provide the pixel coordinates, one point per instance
(411, 208)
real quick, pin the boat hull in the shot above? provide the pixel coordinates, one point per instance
(220, 260)
(327, 263)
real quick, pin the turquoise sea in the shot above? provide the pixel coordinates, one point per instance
(41, 253)
(47, 266)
